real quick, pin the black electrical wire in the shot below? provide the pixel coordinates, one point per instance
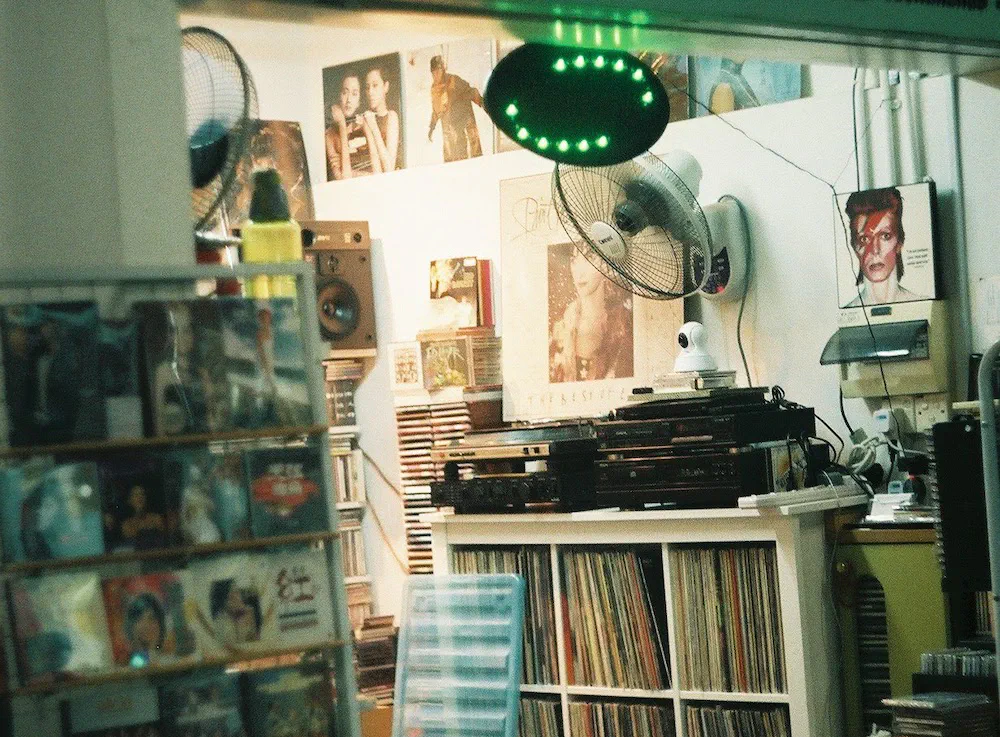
(778, 397)
(843, 414)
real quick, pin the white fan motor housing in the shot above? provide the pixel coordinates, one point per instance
(609, 239)
(726, 227)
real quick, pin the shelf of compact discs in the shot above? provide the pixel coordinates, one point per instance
(168, 521)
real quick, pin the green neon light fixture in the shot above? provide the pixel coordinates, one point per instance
(577, 106)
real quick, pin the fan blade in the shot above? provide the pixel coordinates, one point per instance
(207, 159)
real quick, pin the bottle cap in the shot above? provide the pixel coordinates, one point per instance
(269, 203)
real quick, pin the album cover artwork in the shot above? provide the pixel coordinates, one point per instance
(50, 510)
(454, 293)
(51, 373)
(60, 626)
(447, 362)
(208, 493)
(265, 363)
(202, 705)
(365, 124)
(114, 710)
(290, 701)
(119, 363)
(134, 501)
(503, 142)
(407, 372)
(233, 604)
(300, 588)
(275, 144)
(186, 389)
(146, 619)
(286, 491)
(724, 85)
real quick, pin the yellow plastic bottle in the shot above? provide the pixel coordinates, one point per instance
(270, 236)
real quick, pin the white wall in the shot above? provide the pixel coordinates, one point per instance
(453, 210)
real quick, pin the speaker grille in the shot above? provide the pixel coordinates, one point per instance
(960, 4)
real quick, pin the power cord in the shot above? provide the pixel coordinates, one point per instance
(778, 397)
(746, 284)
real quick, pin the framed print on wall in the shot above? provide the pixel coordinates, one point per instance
(583, 343)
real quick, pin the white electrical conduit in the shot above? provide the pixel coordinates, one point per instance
(991, 479)
(909, 94)
(891, 130)
(861, 123)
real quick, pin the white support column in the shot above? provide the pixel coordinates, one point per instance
(93, 162)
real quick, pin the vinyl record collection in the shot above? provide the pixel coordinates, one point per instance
(619, 641)
(596, 719)
(726, 600)
(943, 715)
(539, 718)
(539, 661)
(959, 661)
(420, 428)
(737, 721)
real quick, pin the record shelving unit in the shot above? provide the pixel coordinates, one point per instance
(38, 703)
(792, 600)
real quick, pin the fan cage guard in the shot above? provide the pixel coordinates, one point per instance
(207, 44)
(657, 263)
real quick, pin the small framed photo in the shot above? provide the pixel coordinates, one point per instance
(888, 253)
(407, 370)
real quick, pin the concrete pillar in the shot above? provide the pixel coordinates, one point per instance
(93, 152)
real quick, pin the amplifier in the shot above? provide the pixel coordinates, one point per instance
(756, 426)
(695, 477)
(507, 493)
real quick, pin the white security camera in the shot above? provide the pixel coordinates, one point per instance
(694, 355)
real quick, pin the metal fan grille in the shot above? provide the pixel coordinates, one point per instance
(217, 88)
(666, 236)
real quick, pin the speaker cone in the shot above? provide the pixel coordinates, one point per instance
(339, 309)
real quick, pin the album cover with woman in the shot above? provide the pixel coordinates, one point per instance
(147, 621)
(286, 491)
(60, 626)
(51, 373)
(290, 701)
(207, 491)
(133, 497)
(50, 510)
(186, 390)
(202, 705)
(265, 363)
(365, 124)
(299, 585)
(232, 603)
(885, 245)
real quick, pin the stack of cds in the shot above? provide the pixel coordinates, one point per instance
(959, 661)
(943, 715)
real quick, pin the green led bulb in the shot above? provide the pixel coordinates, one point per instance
(583, 146)
(512, 110)
(599, 62)
(620, 65)
(560, 65)
(602, 142)
(580, 62)
(647, 97)
(637, 75)
(522, 134)
(563, 145)
(543, 143)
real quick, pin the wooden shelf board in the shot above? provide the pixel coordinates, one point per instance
(350, 505)
(888, 536)
(529, 688)
(357, 579)
(166, 553)
(631, 693)
(153, 671)
(96, 446)
(745, 698)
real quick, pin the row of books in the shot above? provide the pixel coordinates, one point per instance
(375, 653)
(342, 379)
(359, 603)
(960, 661)
(737, 721)
(612, 719)
(351, 543)
(984, 614)
(539, 718)
(727, 611)
(348, 472)
(173, 367)
(539, 662)
(53, 507)
(420, 428)
(296, 700)
(78, 624)
(615, 636)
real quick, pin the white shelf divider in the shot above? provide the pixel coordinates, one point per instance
(742, 698)
(625, 693)
(542, 688)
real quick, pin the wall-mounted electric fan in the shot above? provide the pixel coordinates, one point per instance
(639, 223)
(221, 104)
